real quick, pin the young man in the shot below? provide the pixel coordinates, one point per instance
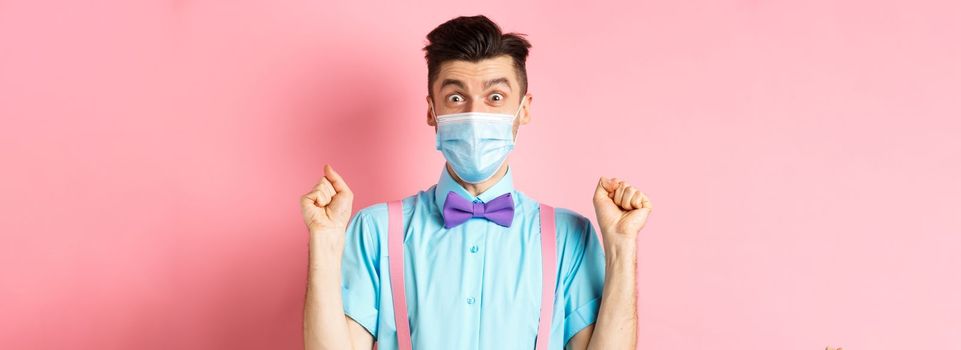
(472, 247)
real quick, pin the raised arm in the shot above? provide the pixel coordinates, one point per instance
(621, 212)
(326, 210)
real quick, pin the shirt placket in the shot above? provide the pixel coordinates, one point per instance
(474, 251)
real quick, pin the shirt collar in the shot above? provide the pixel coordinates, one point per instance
(446, 183)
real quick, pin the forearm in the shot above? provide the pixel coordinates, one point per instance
(616, 326)
(325, 327)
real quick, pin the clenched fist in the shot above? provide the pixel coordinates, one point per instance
(621, 209)
(327, 207)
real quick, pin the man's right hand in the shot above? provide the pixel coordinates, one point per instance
(327, 207)
(326, 211)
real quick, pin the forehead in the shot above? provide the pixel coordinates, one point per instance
(474, 74)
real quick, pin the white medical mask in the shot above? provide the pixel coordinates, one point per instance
(475, 144)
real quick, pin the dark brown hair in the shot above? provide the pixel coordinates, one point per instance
(473, 39)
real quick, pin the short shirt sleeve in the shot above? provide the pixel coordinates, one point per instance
(360, 267)
(582, 269)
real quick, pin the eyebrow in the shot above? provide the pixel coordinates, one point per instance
(493, 82)
(456, 82)
(487, 84)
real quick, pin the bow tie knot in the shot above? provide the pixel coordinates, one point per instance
(499, 210)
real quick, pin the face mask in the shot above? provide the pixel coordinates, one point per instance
(475, 143)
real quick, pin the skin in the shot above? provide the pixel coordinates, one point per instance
(621, 211)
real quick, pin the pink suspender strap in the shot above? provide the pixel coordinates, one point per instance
(549, 276)
(395, 252)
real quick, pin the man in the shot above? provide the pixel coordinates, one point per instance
(474, 281)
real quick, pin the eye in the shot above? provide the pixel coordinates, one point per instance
(455, 98)
(497, 97)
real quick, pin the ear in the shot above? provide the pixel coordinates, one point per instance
(430, 117)
(525, 116)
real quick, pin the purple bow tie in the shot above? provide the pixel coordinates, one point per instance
(500, 210)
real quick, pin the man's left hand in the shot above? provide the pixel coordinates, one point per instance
(621, 209)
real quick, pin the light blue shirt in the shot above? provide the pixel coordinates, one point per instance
(476, 285)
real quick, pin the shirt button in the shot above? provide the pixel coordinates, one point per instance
(474, 249)
(470, 300)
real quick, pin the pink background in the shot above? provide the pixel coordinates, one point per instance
(804, 160)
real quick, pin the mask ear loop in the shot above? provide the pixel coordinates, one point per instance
(430, 102)
(519, 107)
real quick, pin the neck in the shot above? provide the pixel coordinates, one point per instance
(478, 188)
